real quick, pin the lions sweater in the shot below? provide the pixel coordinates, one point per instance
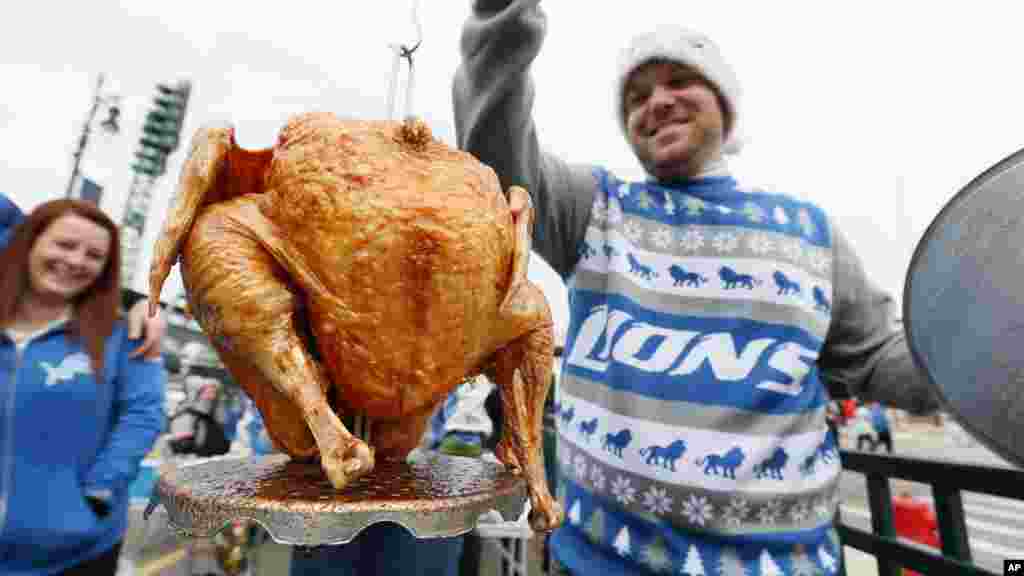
(692, 430)
(708, 322)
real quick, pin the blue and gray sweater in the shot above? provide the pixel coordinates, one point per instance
(708, 322)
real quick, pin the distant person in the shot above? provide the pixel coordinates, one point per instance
(832, 417)
(848, 409)
(862, 430)
(81, 411)
(152, 329)
(462, 426)
(880, 422)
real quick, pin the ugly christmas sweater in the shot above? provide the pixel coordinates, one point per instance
(706, 320)
(692, 434)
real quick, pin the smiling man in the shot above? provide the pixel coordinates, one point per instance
(708, 320)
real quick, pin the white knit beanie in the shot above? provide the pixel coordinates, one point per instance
(689, 47)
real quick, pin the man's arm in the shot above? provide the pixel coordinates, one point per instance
(493, 100)
(865, 350)
(151, 329)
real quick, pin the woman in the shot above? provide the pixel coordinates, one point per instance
(77, 414)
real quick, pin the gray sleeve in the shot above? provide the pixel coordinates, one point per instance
(492, 94)
(866, 351)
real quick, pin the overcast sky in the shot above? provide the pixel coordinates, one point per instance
(879, 111)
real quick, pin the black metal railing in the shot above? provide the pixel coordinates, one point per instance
(948, 481)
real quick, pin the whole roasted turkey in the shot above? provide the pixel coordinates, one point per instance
(362, 268)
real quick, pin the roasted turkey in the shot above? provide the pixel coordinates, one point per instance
(364, 269)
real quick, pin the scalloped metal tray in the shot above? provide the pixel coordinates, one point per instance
(430, 494)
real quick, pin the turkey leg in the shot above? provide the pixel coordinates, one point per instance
(522, 371)
(237, 295)
(523, 374)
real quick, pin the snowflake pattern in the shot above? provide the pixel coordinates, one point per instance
(662, 238)
(760, 244)
(725, 241)
(633, 231)
(818, 260)
(800, 511)
(597, 478)
(736, 511)
(657, 500)
(566, 461)
(691, 240)
(599, 211)
(581, 466)
(623, 490)
(614, 214)
(791, 249)
(697, 510)
(822, 508)
(770, 512)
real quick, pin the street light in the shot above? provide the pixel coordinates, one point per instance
(110, 125)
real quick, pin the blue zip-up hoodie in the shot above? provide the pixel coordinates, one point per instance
(63, 434)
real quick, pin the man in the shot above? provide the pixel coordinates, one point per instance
(862, 430)
(461, 426)
(140, 325)
(706, 319)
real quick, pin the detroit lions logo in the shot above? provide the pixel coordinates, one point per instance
(639, 269)
(732, 279)
(772, 467)
(820, 301)
(567, 414)
(723, 465)
(681, 276)
(587, 429)
(785, 285)
(615, 335)
(808, 464)
(614, 443)
(664, 456)
(71, 366)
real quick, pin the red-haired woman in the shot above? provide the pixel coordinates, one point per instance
(77, 411)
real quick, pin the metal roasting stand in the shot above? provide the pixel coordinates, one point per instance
(430, 494)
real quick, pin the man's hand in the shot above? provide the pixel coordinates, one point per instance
(141, 324)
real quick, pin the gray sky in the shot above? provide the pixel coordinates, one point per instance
(877, 110)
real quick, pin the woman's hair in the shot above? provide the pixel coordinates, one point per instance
(95, 309)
